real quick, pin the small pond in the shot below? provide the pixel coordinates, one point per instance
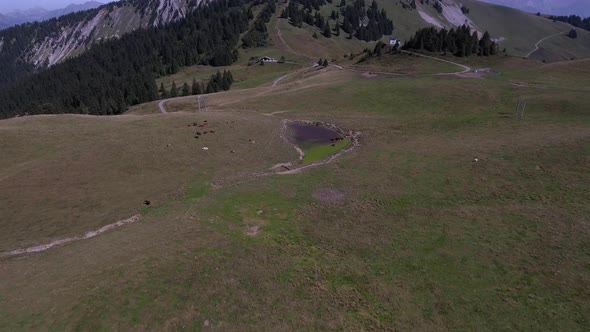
(316, 140)
(308, 134)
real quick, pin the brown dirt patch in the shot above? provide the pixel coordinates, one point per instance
(329, 196)
(369, 75)
(253, 230)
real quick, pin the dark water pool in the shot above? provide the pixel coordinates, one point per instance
(312, 134)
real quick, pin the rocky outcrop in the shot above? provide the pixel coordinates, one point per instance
(106, 22)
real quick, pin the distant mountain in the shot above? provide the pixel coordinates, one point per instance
(74, 8)
(50, 42)
(41, 14)
(554, 7)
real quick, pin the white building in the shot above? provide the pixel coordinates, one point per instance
(268, 59)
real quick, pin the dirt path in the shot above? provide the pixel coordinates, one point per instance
(279, 35)
(466, 69)
(542, 40)
(278, 80)
(87, 235)
(161, 105)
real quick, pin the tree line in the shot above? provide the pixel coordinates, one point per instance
(459, 42)
(217, 82)
(115, 74)
(575, 20)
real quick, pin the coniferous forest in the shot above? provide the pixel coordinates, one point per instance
(459, 42)
(257, 36)
(115, 74)
(575, 20)
(366, 24)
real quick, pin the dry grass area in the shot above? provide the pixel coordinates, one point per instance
(405, 64)
(62, 176)
(407, 232)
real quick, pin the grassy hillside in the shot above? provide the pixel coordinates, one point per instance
(561, 48)
(519, 31)
(405, 232)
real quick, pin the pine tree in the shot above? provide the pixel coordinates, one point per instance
(320, 62)
(163, 92)
(325, 63)
(225, 81)
(185, 89)
(327, 30)
(173, 90)
(196, 89)
(573, 34)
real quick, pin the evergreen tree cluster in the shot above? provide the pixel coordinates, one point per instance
(459, 42)
(257, 36)
(365, 24)
(575, 20)
(118, 73)
(217, 82)
(301, 11)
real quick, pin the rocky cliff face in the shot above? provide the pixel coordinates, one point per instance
(70, 36)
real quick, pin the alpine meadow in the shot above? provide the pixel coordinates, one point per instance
(295, 165)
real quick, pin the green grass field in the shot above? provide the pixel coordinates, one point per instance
(420, 237)
(319, 152)
(407, 231)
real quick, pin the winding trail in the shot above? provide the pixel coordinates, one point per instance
(161, 105)
(466, 69)
(276, 82)
(87, 235)
(542, 40)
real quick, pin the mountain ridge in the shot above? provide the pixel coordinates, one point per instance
(563, 7)
(41, 14)
(44, 44)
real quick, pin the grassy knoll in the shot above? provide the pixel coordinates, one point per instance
(420, 237)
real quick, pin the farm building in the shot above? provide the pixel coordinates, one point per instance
(268, 59)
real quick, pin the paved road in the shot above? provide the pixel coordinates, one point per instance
(542, 40)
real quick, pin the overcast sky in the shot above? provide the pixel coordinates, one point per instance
(10, 5)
